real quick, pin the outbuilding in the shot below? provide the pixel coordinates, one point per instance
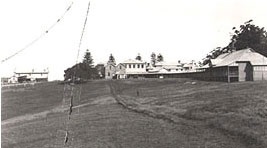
(241, 65)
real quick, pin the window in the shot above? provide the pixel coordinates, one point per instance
(138, 66)
(130, 66)
(133, 65)
(142, 65)
(108, 74)
(120, 67)
(110, 67)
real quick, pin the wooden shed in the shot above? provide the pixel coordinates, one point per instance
(241, 65)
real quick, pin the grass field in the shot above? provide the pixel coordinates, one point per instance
(146, 113)
(238, 110)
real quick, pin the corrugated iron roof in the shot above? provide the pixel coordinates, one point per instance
(245, 55)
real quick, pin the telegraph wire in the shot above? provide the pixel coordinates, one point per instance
(39, 37)
(84, 25)
(72, 85)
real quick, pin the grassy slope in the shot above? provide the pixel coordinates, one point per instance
(22, 100)
(238, 109)
(237, 113)
(47, 130)
(101, 122)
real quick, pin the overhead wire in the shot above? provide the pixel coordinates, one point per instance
(40, 36)
(84, 25)
(74, 78)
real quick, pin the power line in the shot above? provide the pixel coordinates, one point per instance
(39, 37)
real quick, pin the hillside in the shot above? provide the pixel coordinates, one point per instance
(238, 110)
(164, 113)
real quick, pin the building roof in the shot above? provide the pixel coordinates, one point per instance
(100, 63)
(154, 69)
(168, 64)
(245, 55)
(31, 72)
(121, 64)
(109, 64)
(133, 61)
(21, 70)
(189, 65)
(172, 67)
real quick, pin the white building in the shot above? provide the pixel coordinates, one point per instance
(36, 76)
(130, 68)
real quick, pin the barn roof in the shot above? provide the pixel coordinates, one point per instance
(245, 55)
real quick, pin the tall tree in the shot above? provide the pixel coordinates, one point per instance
(84, 70)
(138, 57)
(87, 59)
(153, 59)
(160, 58)
(111, 59)
(248, 35)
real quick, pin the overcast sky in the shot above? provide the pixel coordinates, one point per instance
(178, 29)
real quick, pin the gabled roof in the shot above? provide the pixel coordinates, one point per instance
(245, 55)
(110, 63)
(121, 64)
(133, 61)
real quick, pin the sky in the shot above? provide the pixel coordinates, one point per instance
(178, 29)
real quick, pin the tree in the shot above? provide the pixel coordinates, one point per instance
(84, 70)
(87, 59)
(87, 66)
(160, 58)
(138, 57)
(153, 59)
(111, 59)
(248, 36)
(212, 55)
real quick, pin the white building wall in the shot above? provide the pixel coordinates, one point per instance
(135, 67)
